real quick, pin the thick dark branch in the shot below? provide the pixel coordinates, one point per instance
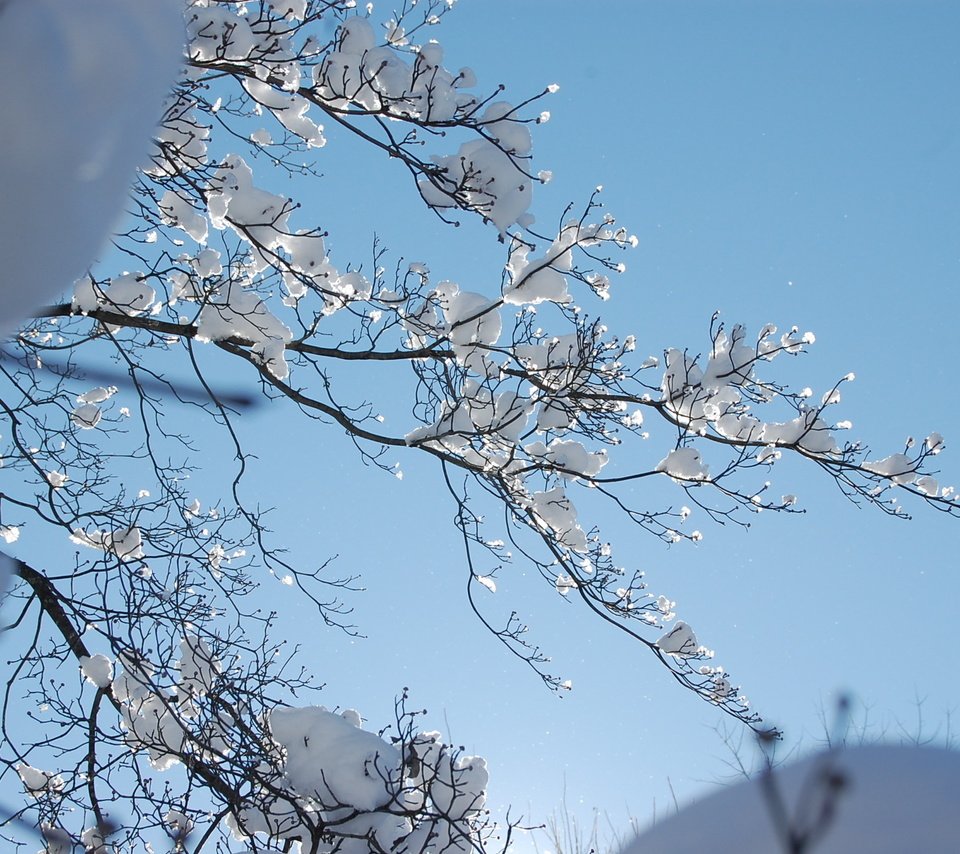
(188, 330)
(51, 603)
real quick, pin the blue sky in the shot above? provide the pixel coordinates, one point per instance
(783, 162)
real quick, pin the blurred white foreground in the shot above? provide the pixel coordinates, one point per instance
(876, 800)
(81, 90)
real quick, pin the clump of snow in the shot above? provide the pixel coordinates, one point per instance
(214, 32)
(38, 782)
(255, 215)
(57, 479)
(92, 841)
(242, 314)
(86, 416)
(130, 294)
(126, 543)
(289, 109)
(554, 512)
(459, 789)
(180, 823)
(530, 282)
(331, 759)
(497, 418)
(394, 796)
(199, 667)
(97, 669)
(289, 10)
(471, 318)
(384, 80)
(487, 582)
(154, 720)
(87, 296)
(684, 464)
(680, 641)
(151, 724)
(570, 456)
(181, 140)
(176, 212)
(482, 175)
(899, 468)
(96, 395)
(482, 178)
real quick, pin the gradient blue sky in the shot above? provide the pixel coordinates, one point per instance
(779, 161)
(791, 162)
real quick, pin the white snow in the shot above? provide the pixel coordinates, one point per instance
(680, 641)
(555, 513)
(126, 543)
(569, 455)
(98, 670)
(97, 395)
(86, 416)
(198, 666)
(899, 468)
(130, 294)
(330, 758)
(400, 796)
(494, 186)
(242, 314)
(178, 822)
(531, 282)
(181, 214)
(684, 464)
(57, 479)
(217, 33)
(38, 782)
(487, 582)
(289, 109)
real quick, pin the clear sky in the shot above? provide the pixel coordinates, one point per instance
(786, 162)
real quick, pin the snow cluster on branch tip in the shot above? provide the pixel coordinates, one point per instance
(483, 175)
(87, 413)
(718, 395)
(37, 782)
(156, 720)
(317, 767)
(125, 543)
(407, 795)
(97, 669)
(379, 79)
(128, 293)
(361, 76)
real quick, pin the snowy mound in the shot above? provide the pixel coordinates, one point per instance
(877, 799)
